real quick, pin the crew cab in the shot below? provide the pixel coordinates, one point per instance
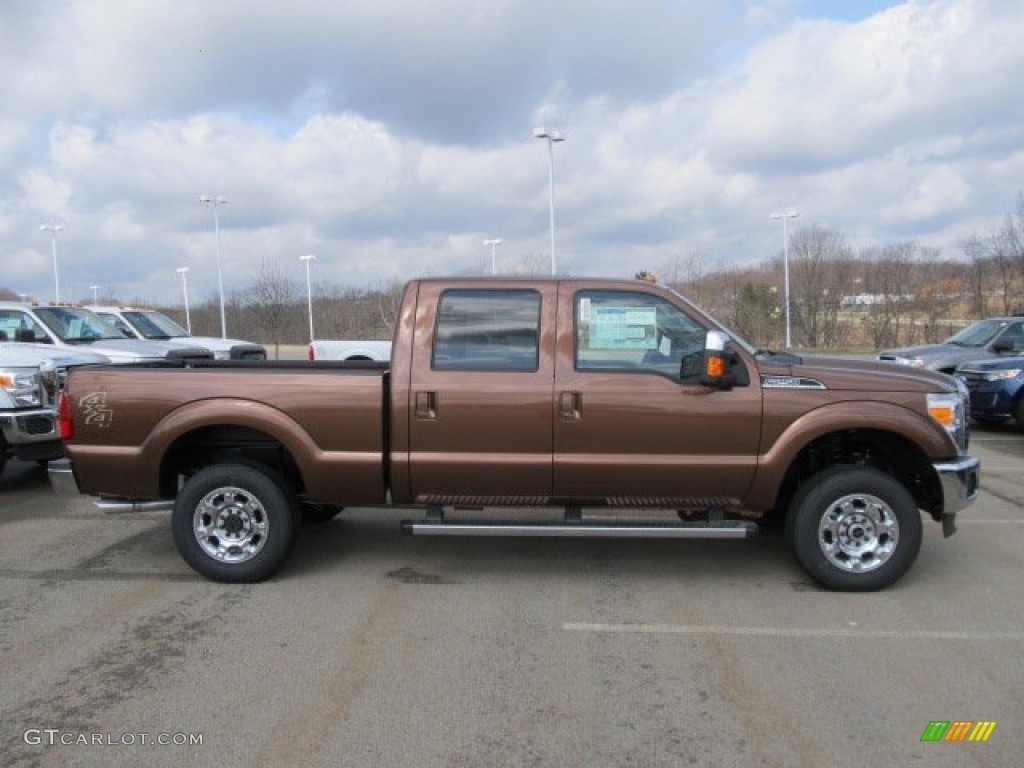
(619, 405)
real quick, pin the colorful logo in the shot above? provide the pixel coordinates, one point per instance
(958, 730)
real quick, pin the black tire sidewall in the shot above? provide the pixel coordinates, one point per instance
(278, 504)
(818, 494)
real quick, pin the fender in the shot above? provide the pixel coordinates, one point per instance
(861, 415)
(134, 472)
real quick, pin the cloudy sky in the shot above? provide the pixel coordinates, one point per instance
(391, 137)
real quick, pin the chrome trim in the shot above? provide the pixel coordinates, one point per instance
(735, 530)
(960, 479)
(125, 506)
(790, 382)
(62, 477)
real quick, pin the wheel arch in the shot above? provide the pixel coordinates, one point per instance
(889, 452)
(201, 434)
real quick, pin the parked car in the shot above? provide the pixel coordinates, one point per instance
(997, 389)
(78, 328)
(992, 337)
(28, 411)
(350, 350)
(156, 326)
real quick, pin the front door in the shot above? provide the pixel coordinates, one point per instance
(633, 425)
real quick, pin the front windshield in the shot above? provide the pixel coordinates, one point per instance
(977, 334)
(75, 325)
(154, 325)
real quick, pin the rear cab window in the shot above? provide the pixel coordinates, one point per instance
(487, 330)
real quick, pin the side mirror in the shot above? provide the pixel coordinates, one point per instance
(716, 362)
(1002, 346)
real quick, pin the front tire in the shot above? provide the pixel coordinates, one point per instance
(854, 529)
(234, 522)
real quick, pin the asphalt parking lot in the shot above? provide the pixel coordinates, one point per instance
(373, 650)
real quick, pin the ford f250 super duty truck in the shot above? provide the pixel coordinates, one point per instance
(573, 394)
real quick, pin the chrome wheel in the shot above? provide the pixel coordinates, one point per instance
(858, 533)
(854, 528)
(230, 524)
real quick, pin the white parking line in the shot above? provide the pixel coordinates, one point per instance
(809, 632)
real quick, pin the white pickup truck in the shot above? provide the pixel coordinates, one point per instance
(28, 416)
(77, 328)
(151, 325)
(322, 349)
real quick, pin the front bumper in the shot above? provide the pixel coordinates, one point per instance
(32, 434)
(960, 480)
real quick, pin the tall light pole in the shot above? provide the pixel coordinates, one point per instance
(183, 271)
(786, 216)
(218, 200)
(551, 137)
(494, 242)
(95, 294)
(53, 229)
(309, 292)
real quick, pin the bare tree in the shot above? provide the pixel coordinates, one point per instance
(272, 305)
(820, 279)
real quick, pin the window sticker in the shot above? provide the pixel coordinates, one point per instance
(623, 328)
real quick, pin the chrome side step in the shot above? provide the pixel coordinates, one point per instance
(126, 506)
(608, 530)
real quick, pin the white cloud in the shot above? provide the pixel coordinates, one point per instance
(391, 137)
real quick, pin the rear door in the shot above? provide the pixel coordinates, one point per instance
(480, 401)
(633, 425)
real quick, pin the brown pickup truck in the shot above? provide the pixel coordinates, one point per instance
(618, 403)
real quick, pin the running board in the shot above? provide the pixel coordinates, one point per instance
(723, 530)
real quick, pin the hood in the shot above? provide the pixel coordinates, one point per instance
(137, 350)
(18, 354)
(838, 373)
(221, 348)
(942, 355)
(993, 364)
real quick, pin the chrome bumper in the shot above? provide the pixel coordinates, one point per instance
(62, 478)
(960, 480)
(24, 427)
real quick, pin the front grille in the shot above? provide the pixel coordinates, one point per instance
(248, 353)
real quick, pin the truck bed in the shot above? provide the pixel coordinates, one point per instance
(326, 417)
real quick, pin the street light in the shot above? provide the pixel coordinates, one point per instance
(95, 294)
(309, 292)
(551, 137)
(785, 216)
(183, 271)
(493, 242)
(53, 229)
(218, 200)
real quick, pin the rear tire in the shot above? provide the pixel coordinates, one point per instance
(854, 529)
(234, 522)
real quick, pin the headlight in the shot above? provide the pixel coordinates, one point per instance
(949, 409)
(1009, 373)
(21, 387)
